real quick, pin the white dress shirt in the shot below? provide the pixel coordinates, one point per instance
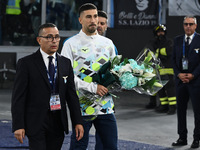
(191, 37)
(46, 59)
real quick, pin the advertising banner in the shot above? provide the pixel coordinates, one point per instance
(136, 13)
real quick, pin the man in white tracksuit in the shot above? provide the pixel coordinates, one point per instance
(88, 52)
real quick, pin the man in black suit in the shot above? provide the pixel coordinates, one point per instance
(42, 87)
(186, 64)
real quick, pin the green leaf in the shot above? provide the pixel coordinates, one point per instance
(125, 61)
(147, 59)
(116, 60)
(149, 84)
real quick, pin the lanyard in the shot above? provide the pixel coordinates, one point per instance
(184, 44)
(54, 80)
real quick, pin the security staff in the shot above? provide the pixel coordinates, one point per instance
(186, 64)
(14, 20)
(13, 8)
(162, 48)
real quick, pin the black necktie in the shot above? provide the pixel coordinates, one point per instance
(51, 68)
(187, 46)
(187, 41)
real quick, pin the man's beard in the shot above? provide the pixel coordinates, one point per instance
(92, 29)
(161, 37)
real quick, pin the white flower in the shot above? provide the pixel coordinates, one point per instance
(126, 68)
(119, 57)
(141, 81)
(148, 75)
(138, 71)
(114, 72)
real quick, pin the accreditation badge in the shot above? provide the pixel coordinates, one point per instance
(55, 102)
(185, 63)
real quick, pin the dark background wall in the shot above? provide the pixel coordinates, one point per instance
(129, 42)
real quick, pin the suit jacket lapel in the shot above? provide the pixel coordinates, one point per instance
(41, 66)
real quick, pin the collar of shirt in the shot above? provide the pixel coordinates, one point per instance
(87, 36)
(191, 37)
(46, 59)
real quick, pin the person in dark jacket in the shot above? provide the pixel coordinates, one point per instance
(43, 86)
(186, 64)
(162, 48)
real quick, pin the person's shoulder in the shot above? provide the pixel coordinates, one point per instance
(63, 58)
(197, 34)
(105, 39)
(72, 38)
(178, 37)
(29, 58)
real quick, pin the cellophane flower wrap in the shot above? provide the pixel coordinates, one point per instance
(141, 74)
(149, 79)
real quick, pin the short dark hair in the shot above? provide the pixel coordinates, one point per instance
(46, 25)
(102, 13)
(86, 6)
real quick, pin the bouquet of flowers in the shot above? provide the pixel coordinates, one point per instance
(140, 75)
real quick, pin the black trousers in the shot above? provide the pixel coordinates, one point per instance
(51, 136)
(186, 91)
(169, 89)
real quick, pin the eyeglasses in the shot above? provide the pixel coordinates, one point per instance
(50, 38)
(190, 24)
